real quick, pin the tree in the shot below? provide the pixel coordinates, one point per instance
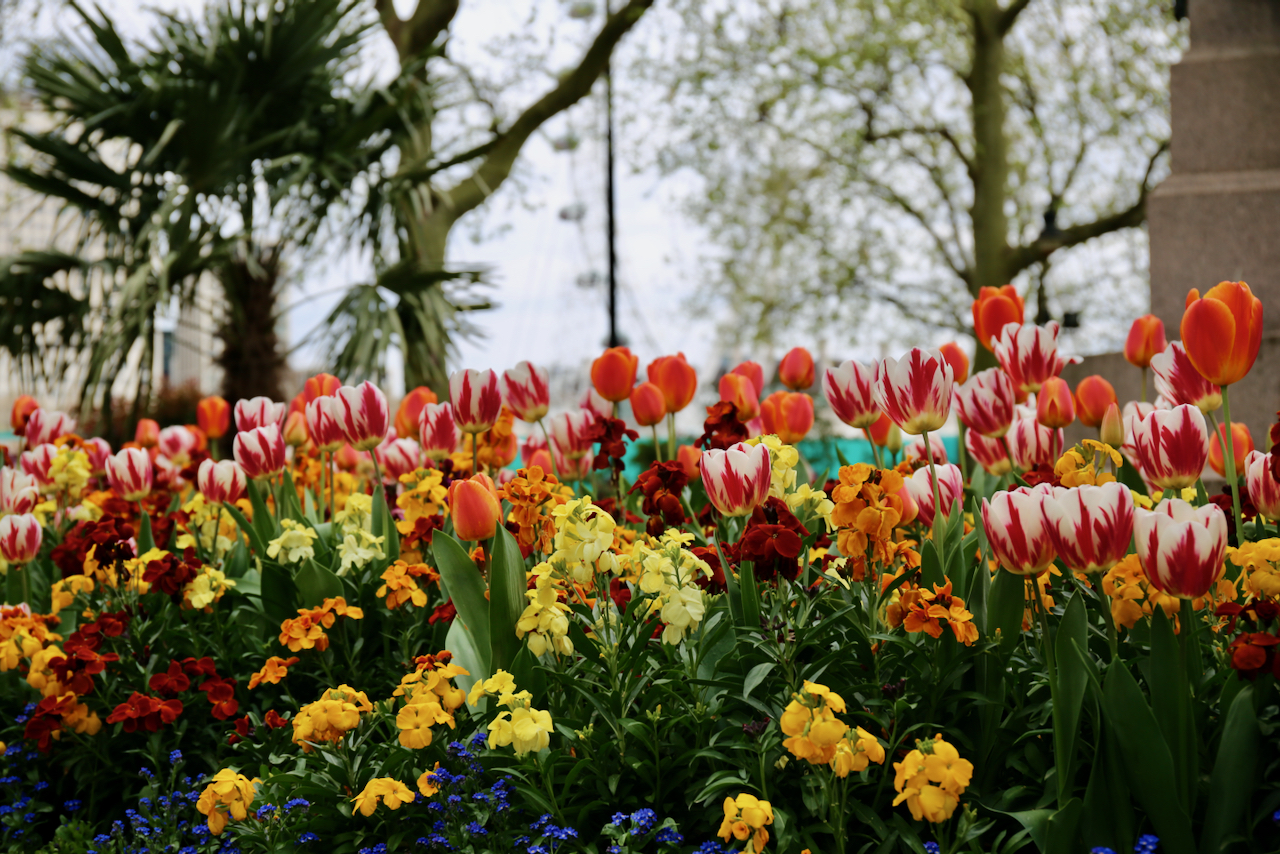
(868, 161)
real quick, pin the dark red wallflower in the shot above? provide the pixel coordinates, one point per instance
(150, 713)
(47, 719)
(1042, 473)
(222, 695)
(243, 730)
(108, 537)
(274, 721)
(620, 593)
(1247, 510)
(431, 662)
(773, 540)
(172, 682)
(196, 667)
(610, 434)
(423, 527)
(445, 613)
(722, 429)
(169, 574)
(662, 484)
(77, 669)
(1254, 653)
(113, 624)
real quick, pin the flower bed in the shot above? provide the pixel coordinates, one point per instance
(375, 632)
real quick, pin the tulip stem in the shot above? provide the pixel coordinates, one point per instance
(1144, 385)
(550, 453)
(657, 449)
(875, 449)
(475, 454)
(377, 474)
(1230, 462)
(937, 500)
(960, 454)
(671, 435)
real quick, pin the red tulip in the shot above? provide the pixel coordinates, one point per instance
(1181, 548)
(993, 310)
(321, 385)
(19, 492)
(260, 451)
(213, 414)
(295, 430)
(474, 508)
(1179, 381)
(753, 372)
(1146, 339)
(1264, 489)
(739, 390)
(950, 490)
(45, 426)
(259, 412)
(796, 369)
(527, 391)
(1172, 446)
(324, 427)
(614, 373)
(677, 379)
(365, 417)
(848, 390)
(147, 433)
(916, 391)
(737, 480)
(476, 399)
(1016, 529)
(437, 434)
(1241, 443)
(177, 443)
(788, 415)
(222, 482)
(1054, 405)
(20, 538)
(409, 410)
(957, 359)
(1093, 396)
(21, 413)
(990, 453)
(1223, 331)
(648, 405)
(130, 474)
(1032, 444)
(1029, 355)
(1091, 526)
(985, 403)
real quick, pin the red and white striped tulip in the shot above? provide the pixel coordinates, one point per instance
(259, 412)
(1029, 354)
(1179, 381)
(848, 390)
(260, 451)
(177, 443)
(130, 474)
(990, 453)
(20, 538)
(220, 482)
(1172, 446)
(366, 417)
(1032, 444)
(915, 451)
(527, 391)
(98, 450)
(19, 492)
(1181, 547)
(915, 392)
(1264, 489)
(476, 398)
(324, 423)
(398, 457)
(570, 433)
(437, 434)
(1133, 412)
(1091, 526)
(1016, 529)
(984, 403)
(594, 403)
(46, 426)
(950, 489)
(38, 462)
(737, 480)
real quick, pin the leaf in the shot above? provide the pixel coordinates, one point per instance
(263, 522)
(524, 669)
(316, 583)
(1061, 829)
(278, 593)
(146, 541)
(384, 526)
(749, 591)
(466, 588)
(1169, 697)
(291, 509)
(931, 565)
(1234, 771)
(1073, 679)
(1004, 610)
(507, 600)
(755, 676)
(466, 653)
(256, 542)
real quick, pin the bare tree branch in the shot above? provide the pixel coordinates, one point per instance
(1010, 15)
(413, 35)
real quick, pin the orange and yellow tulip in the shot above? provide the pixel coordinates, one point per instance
(474, 507)
(1241, 444)
(994, 308)
(1054, 406)
(1146, 339)
(648, 404)
(213, 415)
(957, 359)
(1222, 331)
(796, 369)
(1093, 396)
(614, 373)
(788, 415)
(410, 407)
(741, 392)
(677, 379)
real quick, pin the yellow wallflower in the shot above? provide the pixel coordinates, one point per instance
(273, 671)
(392, 792)
(64, 591)
(206, 588)
(584, 537)
(70, 471)
(783, 459)
(336, 713)
(745, 819)
(294, 543)
(228, 793)
(931, 779)
(854, 755)
(358, 547)
(810, 722)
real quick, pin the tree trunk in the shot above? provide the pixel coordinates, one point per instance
(251, 361)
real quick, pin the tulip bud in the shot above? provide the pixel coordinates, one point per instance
(741, 392)
(1054, 407)
(259, 412)
(950, 489)
(365, 415)
(1111, 430)
(1093, 395)
(796, 369)
(788, 415)
(1181, 548)
(476, 399)
(213, 415)
(1172, 446)
(527, 391)
(321, 385)
(130, 474)
(690, 459)
(147, 433)
(893, 438)
(323, 416)
(677, 379)
(437, 434)
(737, 480)
(848, 390)
(474, 508)
(648, 405)
(1017, 531)
(46, 426)
(19, 491)
(409, 410)
(221, 482)
(753, 372)
(1146, 339)
(21, 413)
(1241, 443)
(295, 430)
(994, 309)
(916, 391)
(1263, 488)
(1091, 526)
(614, 373)
(20, 538)
(957, 359)
(260, 451)
(1223, 331)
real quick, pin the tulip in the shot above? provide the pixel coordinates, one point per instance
(45, 426)
(910, 510)
(677, 379)
(321, 385)
(1264, 489)
(570, 470)
(1133, 412)
(848, 390)
(259, 412)
(1179, 381)
(1091, 526)
(177, 444)
(98, 450)
(38, 463)
(147, 433)
(20, 538)
(614, 373)
(1241, 442)
(1181, 548)
(916, 391)
(957, 359)
(1146, 339)
(130, 474)
(915, 451)
(298, 404)
(476, 399)
(21, 413)
(796, 369)
(788, 415)
(19, 492)
(295, 430)
(540, 457)
(474, 508)
(1172, 446)
(994, 309)
(1029, 355)
(921, 487)
(1054, 405)
(990, 453)
(690, 459)
(220, 482)
(737, 480)
(213, 414)
(741, 392)
(398, 457)
(1223, 331)
(1032, 444)
(366, 418)
(324, 416)
(409, 410)
(593, 402)
(885, 434)
(438, 435)
(984, 403)
(1016, 529)
(260, 451)
(648, 405)
(571, 433)
(527, 391)
(1111, 430)
(1093, 396)
(753, 372)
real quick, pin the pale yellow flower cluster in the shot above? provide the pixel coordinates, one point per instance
(546, 618)
(525, 728)
(294, 545)
(670, 572)
(584, 540)
(783, 459)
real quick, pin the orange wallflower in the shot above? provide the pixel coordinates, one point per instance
(933, 608)
(273, 671)
(532, 493)
(400, 584)
(306, 631)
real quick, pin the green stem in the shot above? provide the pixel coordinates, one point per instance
(875, 449)
(25, 569)
(937, 495)
(550, 453)
(1230, 462)
(960, 453)
(333, 486)
(671, 435)
(1046, 647)
(1144, 385)
(475, 454)
(657, 449)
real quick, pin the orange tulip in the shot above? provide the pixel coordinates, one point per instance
(1146, 339)
(796, 369)
(690, 458)
(1222, 331)
(321, 385)
(213, 414)
(299, 403)
(1111, 430)
(879, 431)
(147, 433)
(410, 407)
(958, 360)
(677, 379)
(741, 392)
(614, 373)
(474, 507)
(788, 415)
(21, 413)
(648, 404)
(1054, 407)
(1093, 396)
(295, 430)
(1241, 443)
(994, 308)
(347, 457)
(753, 372)
(202, 441)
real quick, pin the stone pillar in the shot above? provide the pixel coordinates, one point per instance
(1217, 216)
